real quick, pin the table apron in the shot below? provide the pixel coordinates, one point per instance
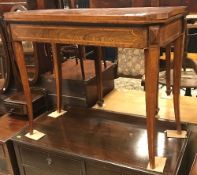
(134, 37)
(170, 31)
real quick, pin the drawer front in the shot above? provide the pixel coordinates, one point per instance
(2, 153)
(50, 162)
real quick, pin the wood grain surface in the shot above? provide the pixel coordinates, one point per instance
(108, 15)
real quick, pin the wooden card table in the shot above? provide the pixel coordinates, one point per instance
(145, 28)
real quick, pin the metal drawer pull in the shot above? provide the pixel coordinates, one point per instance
(49, 161)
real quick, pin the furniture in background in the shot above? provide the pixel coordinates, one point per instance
(192, 6)
(10, 126)
(189, 72)
(75, 90)
(140, 3)
(6, 5)
(8, 66)
(110, 3)
(33, 51)
(192, 36)
(5, 66)
(44, 4)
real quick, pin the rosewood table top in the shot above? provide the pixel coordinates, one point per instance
(148, 15)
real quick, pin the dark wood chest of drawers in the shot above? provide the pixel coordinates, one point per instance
(75, 90)
(93, 142)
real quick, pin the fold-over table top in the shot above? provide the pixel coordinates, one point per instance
(144, 15)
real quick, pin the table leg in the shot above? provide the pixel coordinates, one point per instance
(168, 66)
(102, 56)
(98, 69)
(18, 48)
(178, 57)
(81, 57)
(58, 76)
(151, 87)
(157, 97)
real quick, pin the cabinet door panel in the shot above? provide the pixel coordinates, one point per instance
(49, 162)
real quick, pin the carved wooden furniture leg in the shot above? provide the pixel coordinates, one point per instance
(58, 76)
(98, 69)
(81, 57)
(151, 77)
(18, 48)
(178, 56)
(168, 66)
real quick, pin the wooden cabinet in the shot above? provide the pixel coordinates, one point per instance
(92, 142)
(10, 125)
(6, 5)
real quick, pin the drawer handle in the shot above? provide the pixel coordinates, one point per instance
(49, 161)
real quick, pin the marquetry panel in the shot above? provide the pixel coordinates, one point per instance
(103, 36)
